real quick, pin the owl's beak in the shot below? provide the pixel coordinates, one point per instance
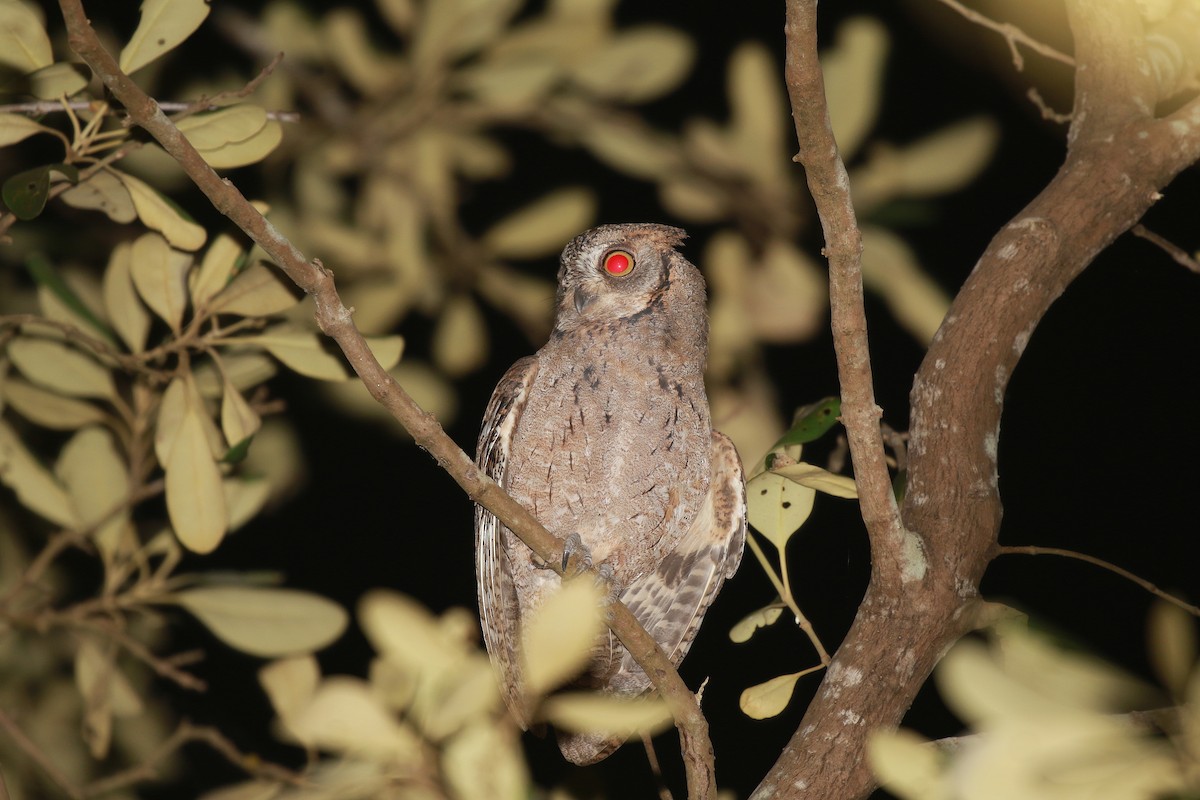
(583, 298)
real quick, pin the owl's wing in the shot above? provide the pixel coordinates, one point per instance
(499, 611)
(671, 602)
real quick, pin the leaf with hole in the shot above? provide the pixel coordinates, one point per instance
(811, 422)
(26, 193)
(777, 507)
(163, 26)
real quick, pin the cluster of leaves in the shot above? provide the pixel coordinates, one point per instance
(1046, 722)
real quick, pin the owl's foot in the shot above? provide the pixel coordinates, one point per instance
(576, 556)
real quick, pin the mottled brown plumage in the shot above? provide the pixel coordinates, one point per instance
(605, 433)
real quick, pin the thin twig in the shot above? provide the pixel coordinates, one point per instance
(42, 107)
(335, 320)
(664, 793)
(212, 103)
(1047, 112)
(1034, 550)
(30, 748)
(1176, 252)
(1012, 35)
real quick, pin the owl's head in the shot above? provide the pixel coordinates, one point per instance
(616, 271)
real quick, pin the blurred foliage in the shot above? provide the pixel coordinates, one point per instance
(138, 421)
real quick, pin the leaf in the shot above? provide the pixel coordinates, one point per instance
(195, 498)
(344, 715)
(97, 481)
(586, 712)
(460, 342)
(290, 684)
(216, 267)
(306, 352)
(249, 151)
(164, 25)
(907, 765)
(265, 622)
(128, 315)
(160, 275)
(542, 227)
(57, 80)
(749, 624)
(26, 193)
(947, 159)
(404, 632)
(853, 70)
(106, 693)
(485, 762)
(559, 637)
(244, 498)
(35, 487)
(257, 291)
(635, 150)
(46, 276)
(24, 45)
(211, 130)
(1172, 635)
(811, 422)
(511, 85)
(769, 699)
(777, 507)
(758, 111)
(637, 65)
(786, 295)
(48, 409)
(238, 420)
(17, 127)
(55, 366)
(890, 268)
(102, 192)
(822, 480)
(159, 215)
(244, 371)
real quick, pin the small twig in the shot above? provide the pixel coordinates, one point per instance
(1034, 550)
(1176, 252)
(1012, 35)
(1047, 112)
(30, 748)
(787, 599)
(43, 107)
(181, 110)
(898, 443)
(664, 793)
(161, 667)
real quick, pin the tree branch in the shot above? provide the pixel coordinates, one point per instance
(1118, 159)
(335, 321)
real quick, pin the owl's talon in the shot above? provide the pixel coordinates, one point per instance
(576, 556)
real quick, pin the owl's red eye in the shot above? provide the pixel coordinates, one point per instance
(618, 263)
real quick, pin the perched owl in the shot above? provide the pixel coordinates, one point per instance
(605, 434)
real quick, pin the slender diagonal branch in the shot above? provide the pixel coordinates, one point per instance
(335, 320)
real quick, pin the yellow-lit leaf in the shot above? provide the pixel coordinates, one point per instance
(814, 477)
(97, 481)
(947, 159)
(35, 487)
(637, 65)
(164, 25)
(56, 80)
(345, 716)
(214, 129)
(586, 712)
(102, 192)
(160, 274)
(485, 762)
(528, 300)
(402, 630)
(559, 637)
(785, 295)
(215, 268)
(777, 507)
(171, 411)
(257, 291)
(244, 371)
(129, 317)
(350, 47)
(544, 226)
(96, 675)
(454, 28)
(265, 622)
(258, 789)
(48, 409)
(244, 498)
(195, 499)
(17, 127)
(238, 420)
(460, 338)
(63, 369)
(307, 352)
(427, 386)
(1172, 635)
(639, 151)
(157, 214)
(693, 198)
(290, 684)
(24, 45)
(890, 268)
(758, 110)
(907, 765)
(853, 70)
(247, 151)
(746, 627)
(510, 85)
(769, 699)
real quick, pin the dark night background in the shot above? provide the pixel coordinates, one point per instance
(1097, 450)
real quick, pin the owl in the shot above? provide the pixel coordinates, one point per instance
(604, 434)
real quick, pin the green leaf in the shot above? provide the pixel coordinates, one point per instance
(811, 422)
(44, 274)
(26, 192)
